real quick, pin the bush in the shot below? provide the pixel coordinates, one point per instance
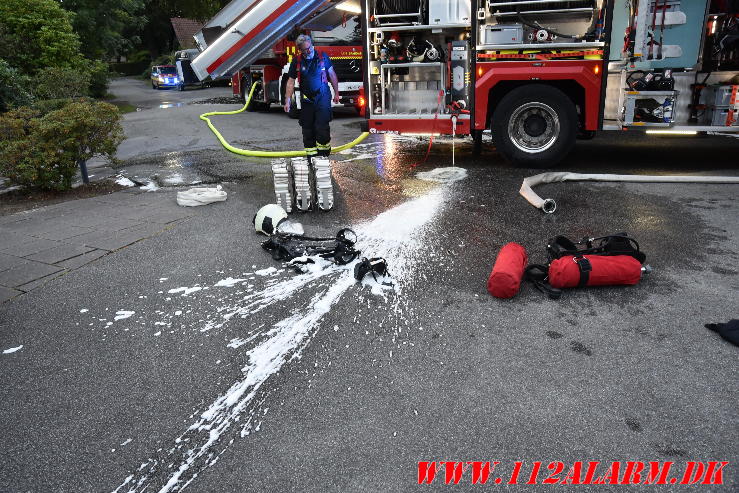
(13, 88)
(99, 78)
(45, 106)
(90, 79)
(44, 151)
(58, 83)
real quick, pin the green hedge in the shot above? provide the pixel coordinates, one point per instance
(99, 78)
(58, 83)
(44, 150)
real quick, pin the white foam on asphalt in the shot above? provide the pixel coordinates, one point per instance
(150, 187)
(396, 235)
(229, 282)
(174, 179)
(185, 290)
(123, 314)
(124, 182)
(443, 175)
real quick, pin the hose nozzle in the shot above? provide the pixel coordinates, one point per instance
(549, 206)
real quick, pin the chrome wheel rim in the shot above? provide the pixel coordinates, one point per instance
(534, 127)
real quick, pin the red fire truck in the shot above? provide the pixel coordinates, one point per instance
(541, 73)
(251, 41)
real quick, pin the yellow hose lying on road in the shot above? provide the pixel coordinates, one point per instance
(247, 152)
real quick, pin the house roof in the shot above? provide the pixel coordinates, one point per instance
(184, 29)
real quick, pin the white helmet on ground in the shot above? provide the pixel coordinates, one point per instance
(268, 218)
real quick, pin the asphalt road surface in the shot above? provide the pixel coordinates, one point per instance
(193, 360)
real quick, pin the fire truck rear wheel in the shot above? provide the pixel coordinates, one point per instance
(535, 125)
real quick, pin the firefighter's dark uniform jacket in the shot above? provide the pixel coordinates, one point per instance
(315, 100)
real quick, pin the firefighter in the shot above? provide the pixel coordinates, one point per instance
(314, 71)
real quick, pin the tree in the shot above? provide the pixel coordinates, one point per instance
(35, 34)
(158, 35)
(107, 28)
(201, 10)
(13, 88)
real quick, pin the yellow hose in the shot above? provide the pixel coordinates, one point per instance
(247, 152)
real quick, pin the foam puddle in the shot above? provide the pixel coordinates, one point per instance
(395, 235)
(443, 175)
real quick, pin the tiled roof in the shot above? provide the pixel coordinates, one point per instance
(184, 29)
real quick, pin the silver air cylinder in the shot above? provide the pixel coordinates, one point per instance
(460, 66)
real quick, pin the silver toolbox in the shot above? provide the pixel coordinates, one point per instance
(419, 97)
(413, 88)
(503, 34)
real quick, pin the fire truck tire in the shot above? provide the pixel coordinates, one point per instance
(535, 126)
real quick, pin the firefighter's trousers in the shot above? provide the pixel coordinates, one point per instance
(315, 116)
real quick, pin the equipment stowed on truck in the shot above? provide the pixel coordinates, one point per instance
(541, 73)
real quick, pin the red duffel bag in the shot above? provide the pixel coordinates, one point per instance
(594, 270)
(505, 279)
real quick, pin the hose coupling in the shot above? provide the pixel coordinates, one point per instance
(549, 206)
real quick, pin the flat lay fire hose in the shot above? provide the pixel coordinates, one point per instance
(549, 205)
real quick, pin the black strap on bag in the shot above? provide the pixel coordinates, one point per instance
(616, 244)
(538, 274)
(585, 267)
